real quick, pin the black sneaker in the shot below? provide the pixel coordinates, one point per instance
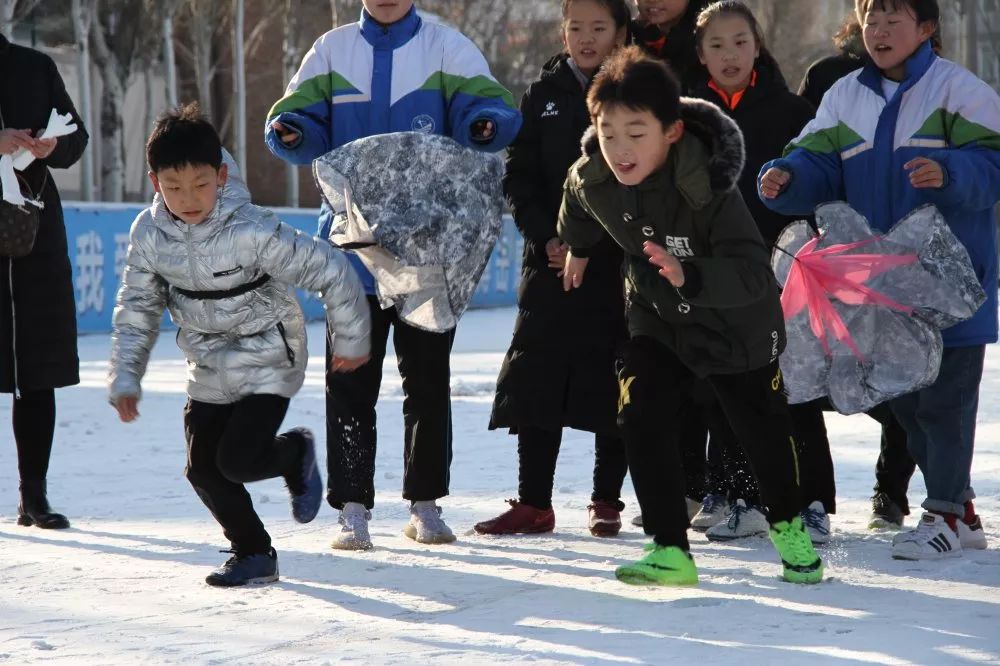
(248, 569)
(886, 514)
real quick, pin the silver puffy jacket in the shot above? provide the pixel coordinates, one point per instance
(238, 345)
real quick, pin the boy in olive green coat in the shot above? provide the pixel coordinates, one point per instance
(702, 301)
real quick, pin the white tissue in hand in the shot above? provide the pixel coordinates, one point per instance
(8, 180)
(59, 125)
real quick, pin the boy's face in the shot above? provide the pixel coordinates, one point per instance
(190, 191)
(893, 35)
(662, 12)
(634, 143)
(728, 51)
(387, 12)
(590, 34)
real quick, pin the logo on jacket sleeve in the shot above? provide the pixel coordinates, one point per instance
(423, 123)
(550, 110)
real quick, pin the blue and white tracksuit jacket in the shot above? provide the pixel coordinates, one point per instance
(857, 145)
(364, 79)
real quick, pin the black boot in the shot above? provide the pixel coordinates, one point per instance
(34, 508)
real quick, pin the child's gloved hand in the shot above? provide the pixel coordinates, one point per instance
(925, 173)
(483, 130)
(127, 407)
(341, 364)
(668, 264)
(774, 181)
(285, 133)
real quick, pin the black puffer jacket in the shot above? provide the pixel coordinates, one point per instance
(44, 309)
(559, 370)
(726, 319)
(770, 116)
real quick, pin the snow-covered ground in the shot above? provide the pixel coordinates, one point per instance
(124, 585)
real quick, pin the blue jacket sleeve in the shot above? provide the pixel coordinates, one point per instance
(813, 160)
(313, 141)
(972, 179)
(473, 95)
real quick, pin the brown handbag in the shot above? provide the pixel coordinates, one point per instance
(19, 224)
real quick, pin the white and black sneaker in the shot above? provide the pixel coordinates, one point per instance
(693, 507)
(932, 539)
(817, 522)
(714, 509)
(971, 535)
(744, 521)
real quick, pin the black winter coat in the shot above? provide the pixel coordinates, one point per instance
(823, 73)
(559, 370)
(44, 310)
(770, 116)
(726, 318)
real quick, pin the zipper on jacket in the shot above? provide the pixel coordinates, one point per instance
(13, 326)
(288, 348)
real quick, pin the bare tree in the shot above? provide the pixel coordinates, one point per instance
(116, 39)
(83, 18)
(12, 12)
(240, 86)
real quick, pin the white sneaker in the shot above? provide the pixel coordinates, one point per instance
(714, 509)
(353, 534)
(817, 522)
(972, 537)
(743, 522)
(692, 506)
(425, 524)
(932, 539)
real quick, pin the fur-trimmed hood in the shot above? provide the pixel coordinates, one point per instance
(719, 133)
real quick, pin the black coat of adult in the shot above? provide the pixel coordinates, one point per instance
(44, 310)
(770, 116)
(823, 73)
(677, 47)
(559, 370)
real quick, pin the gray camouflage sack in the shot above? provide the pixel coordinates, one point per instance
(422, 212)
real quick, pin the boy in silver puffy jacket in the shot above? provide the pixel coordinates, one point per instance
(223, 268)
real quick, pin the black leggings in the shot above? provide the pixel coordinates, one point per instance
(537, 451)
(34, 419)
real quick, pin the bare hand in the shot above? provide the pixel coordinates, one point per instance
(572, 274)
(42, 148)
(774, 181)
(285, 133)
(128, 408)
(556, 250)
(668, 264)
(342, 364)
(925, 173)
(12, 140)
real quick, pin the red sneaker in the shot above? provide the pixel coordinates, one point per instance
(605, 519)
(519, 519)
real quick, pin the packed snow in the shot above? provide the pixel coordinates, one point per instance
(125, 584)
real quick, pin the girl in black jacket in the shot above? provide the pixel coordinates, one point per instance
(745, 81)
(37, 310)
(550, 380)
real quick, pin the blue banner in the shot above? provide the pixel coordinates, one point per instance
(98, 242)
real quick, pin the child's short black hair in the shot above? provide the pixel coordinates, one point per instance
(183, 137)
(638, 82)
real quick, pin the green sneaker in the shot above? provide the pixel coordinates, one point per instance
(663, 565)
(802, 564)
